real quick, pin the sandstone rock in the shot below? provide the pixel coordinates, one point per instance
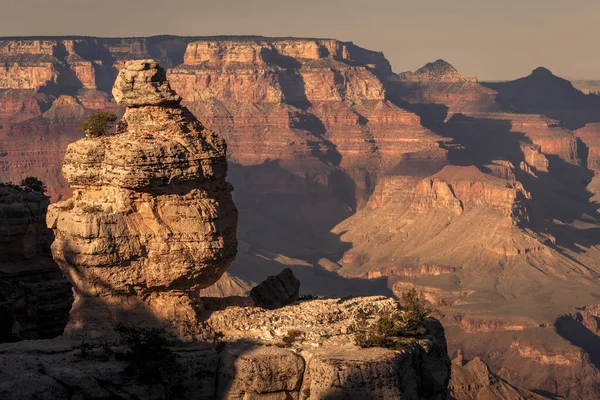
(334, 367)
(151, 221)
(474, 380)
(276, 291)
(365, 374)
(247, 371)
(32, 386)
(246, 363)
(64, 369)
(143, 83)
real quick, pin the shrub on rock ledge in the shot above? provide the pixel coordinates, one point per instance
(32, 183)
(396, 329)
(98, 124)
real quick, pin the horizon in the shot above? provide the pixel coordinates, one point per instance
(491, 41)
(258, 37)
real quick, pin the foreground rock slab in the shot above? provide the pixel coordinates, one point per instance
(246, 353)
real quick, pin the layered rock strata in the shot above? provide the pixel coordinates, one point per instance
(151, 221)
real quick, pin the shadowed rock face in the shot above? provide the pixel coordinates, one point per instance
(151, 221)
(35, 298)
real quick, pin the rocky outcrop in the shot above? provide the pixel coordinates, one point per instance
(150, 224)
(151, 220)
(474, 380)
(35, 298)
(466, 188)
(440, 83)
(318, 330)
(542, 92)
(303, 351)
(276, 291)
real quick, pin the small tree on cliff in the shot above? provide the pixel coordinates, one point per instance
(98, 124)
(33, 184)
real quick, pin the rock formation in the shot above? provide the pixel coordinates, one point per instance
(35, 298)
(473, 380)
(303, 351)
(151, 220)
(276, 291)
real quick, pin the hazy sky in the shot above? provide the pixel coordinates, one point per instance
(493, 39)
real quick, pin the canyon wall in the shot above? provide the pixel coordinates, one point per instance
(480, 195)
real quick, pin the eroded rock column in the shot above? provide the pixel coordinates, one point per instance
(151, 221)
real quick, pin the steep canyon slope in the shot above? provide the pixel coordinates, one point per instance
(365, 181)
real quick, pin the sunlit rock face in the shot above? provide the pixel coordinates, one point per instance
(151, 221)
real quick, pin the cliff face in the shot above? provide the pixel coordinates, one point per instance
(313, 105)
(35, 298)
(320, 103)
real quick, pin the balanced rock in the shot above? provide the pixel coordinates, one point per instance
(276, 291)
(143, 83)
(151, 221)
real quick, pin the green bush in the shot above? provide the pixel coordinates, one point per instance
(32, 183)
(395, 329)
(98, 124)
(149, 357)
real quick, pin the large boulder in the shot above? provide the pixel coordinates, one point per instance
(276, 291)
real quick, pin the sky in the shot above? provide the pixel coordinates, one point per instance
(492, 39)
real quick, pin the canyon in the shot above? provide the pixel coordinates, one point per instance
(366, 182)
(151, 222)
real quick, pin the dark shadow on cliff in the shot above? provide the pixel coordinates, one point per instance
(105, 71)
(293, 89)
(285, 220)
(571, 328)
(544, 93)
(35, 298)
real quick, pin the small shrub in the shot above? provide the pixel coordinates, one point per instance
(290, 338)
(149, 357)
(414, 310)
(98, 124)
(31, 183)
(395, 329)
